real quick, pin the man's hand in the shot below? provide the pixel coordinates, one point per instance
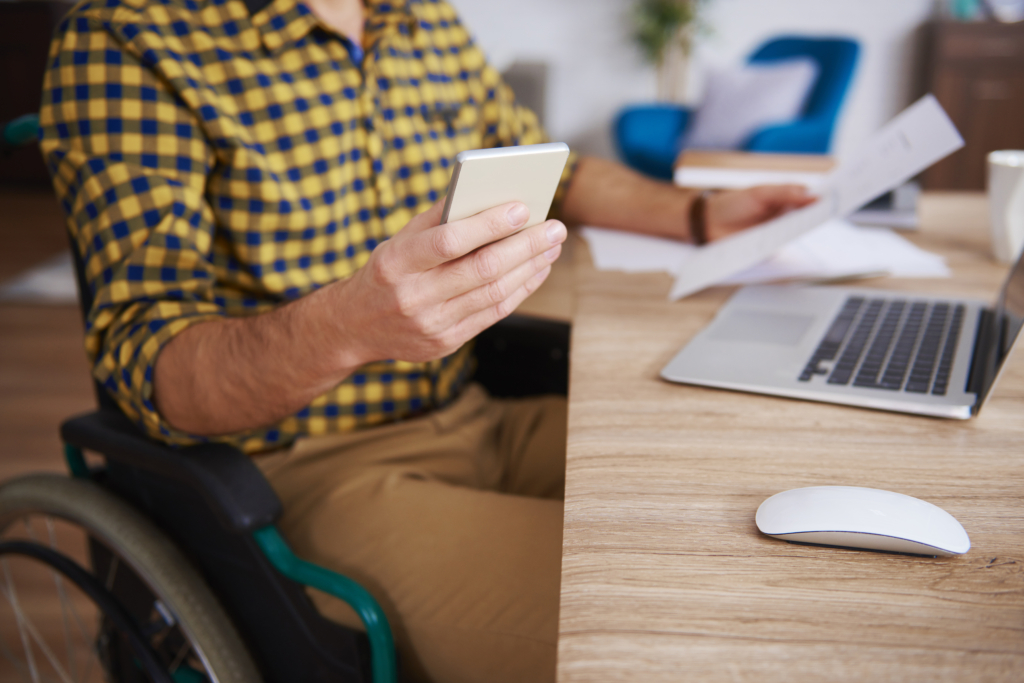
(734, 210)
(610, 195)
(431, 288)
(423, 293)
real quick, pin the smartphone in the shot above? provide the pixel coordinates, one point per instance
(485, 178)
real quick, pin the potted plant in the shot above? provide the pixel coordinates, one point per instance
(663, 30)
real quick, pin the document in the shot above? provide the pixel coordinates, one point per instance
(834, 250)
(918, 137)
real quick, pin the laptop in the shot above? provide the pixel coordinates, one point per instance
(886, 350)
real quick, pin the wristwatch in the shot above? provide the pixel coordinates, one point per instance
(698, 217)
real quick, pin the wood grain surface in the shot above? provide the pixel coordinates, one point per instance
(665, 576)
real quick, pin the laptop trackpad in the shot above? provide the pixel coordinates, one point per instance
(761, 327)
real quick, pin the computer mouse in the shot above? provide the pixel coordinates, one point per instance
(856, 517)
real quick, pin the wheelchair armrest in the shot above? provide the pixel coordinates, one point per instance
(227, 479)
(524, 356)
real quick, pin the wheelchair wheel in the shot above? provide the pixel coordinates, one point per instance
(53, 630)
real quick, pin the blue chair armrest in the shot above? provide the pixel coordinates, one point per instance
(808, 136)
(648, 137)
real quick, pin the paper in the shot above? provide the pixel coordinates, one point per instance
(907, 145)
(634, 253)
(834, 249)
(839, 249)
(703, 177)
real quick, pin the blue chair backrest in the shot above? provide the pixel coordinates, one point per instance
(836, 58)
(647, 135)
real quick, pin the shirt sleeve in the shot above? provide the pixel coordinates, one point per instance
(129, 164)
(508, 123)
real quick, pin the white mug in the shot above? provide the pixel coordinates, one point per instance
(1006, 203)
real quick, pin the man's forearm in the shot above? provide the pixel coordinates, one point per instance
(234, 374)
(613, 196)
(422, 295)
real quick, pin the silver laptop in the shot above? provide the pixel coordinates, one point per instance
(871, 348)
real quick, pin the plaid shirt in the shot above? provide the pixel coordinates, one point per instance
(216, 160)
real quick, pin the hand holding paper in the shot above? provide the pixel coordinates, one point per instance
(918, 137)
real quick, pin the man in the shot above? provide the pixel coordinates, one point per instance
(255, 189)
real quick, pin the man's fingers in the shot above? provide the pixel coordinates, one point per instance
(498, 290)
(429, 248)
(493, 261)
(481, 320)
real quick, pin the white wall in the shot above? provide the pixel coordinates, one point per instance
(595, 70)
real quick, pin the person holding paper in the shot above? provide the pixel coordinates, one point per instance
(255, 188)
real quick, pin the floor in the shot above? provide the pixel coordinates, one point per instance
(44, 378)
(44, 375)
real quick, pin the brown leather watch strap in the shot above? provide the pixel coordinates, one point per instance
(698, 217)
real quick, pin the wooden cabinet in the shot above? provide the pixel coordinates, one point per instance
(976, 70)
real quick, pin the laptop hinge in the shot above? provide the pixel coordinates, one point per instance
(983, 361)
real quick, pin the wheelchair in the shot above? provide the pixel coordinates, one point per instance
(165, 564)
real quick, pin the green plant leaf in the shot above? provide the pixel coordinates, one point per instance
(657, 23)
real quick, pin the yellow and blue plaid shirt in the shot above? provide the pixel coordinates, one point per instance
(220, 160)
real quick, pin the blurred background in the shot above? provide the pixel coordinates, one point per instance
(959, 50)
(581, 63)
(596, 67)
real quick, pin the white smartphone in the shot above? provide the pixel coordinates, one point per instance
(485, 178)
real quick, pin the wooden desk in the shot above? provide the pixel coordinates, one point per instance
(665, 576)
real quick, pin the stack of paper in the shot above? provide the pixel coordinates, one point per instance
(836, 249)
(738, 178)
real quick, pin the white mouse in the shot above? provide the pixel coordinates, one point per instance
(856, 517)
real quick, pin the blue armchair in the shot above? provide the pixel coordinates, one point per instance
(648, 136)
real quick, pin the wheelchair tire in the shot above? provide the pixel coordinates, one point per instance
(150, 555)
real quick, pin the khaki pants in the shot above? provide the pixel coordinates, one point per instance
(453, 521)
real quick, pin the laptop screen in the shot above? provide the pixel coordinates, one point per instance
(1007, 321)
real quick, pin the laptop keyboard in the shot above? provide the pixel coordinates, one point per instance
(890, 344)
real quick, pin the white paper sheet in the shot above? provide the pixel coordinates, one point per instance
(703, 177)
(832, 250)
(839, 249)
(633, 253)
(915, 139)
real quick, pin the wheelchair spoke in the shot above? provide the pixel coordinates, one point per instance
(12, 599)
(115, 561)
(160, 626)
(14, 660)
(65, 605)
(180, 657)
(26, 628)
(69, 632)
